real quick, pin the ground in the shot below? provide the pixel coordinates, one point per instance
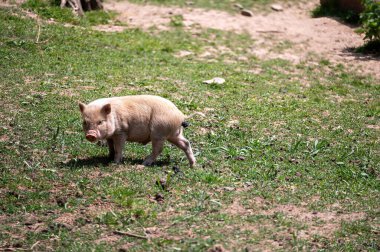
(287, 147)
(291, 34)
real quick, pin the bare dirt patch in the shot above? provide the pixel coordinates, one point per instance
(109, 238)
(316, 223)
(237, 209)
(320, 37)
(99, 207)
(110, 28)
(66, 219)
(303, 214)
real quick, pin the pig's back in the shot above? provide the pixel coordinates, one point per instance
(155, 106)
(160, 115)
(158, 105)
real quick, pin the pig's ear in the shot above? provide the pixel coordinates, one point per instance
(106, 109)
(82, 106)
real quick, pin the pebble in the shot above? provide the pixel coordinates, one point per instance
(276, 7)
(216, 80)
(238, 6)
(246, 13)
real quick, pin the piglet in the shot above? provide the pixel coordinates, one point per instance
(138, 118)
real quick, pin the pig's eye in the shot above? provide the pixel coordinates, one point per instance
(100, 122)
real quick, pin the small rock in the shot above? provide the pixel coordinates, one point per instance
(246, 13)
(276, 7)
(314, 212)
(216, 80)
(298, 174)
(238, 6)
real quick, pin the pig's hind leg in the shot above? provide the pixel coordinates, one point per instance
(157, 147)
(181, 142)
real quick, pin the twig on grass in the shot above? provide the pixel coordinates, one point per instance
(39, 31)
(130, 234)
(34, 245)
(269, 31)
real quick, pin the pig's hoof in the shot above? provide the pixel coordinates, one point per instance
(147, 163)
(118, 161)
(192, 163)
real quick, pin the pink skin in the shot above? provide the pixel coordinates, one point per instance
(155, 120)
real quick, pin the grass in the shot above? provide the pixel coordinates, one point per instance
(301, 137)
(51, 10)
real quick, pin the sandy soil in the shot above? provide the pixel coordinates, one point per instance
(321, 37)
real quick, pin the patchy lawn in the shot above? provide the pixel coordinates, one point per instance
(288, 153)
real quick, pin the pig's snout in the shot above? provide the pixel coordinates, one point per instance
(91, 136)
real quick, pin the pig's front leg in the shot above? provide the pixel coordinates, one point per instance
(118, 144)
(111, 148)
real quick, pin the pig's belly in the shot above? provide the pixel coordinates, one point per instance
(139, 135)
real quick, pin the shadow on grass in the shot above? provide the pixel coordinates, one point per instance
(362, 54)
(369, 50)
(346, 17)
(89, 162)
(92, 162)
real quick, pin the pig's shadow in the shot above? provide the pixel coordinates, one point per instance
(91, 162)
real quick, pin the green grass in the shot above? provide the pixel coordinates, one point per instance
(52, 11)
(294, 135)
